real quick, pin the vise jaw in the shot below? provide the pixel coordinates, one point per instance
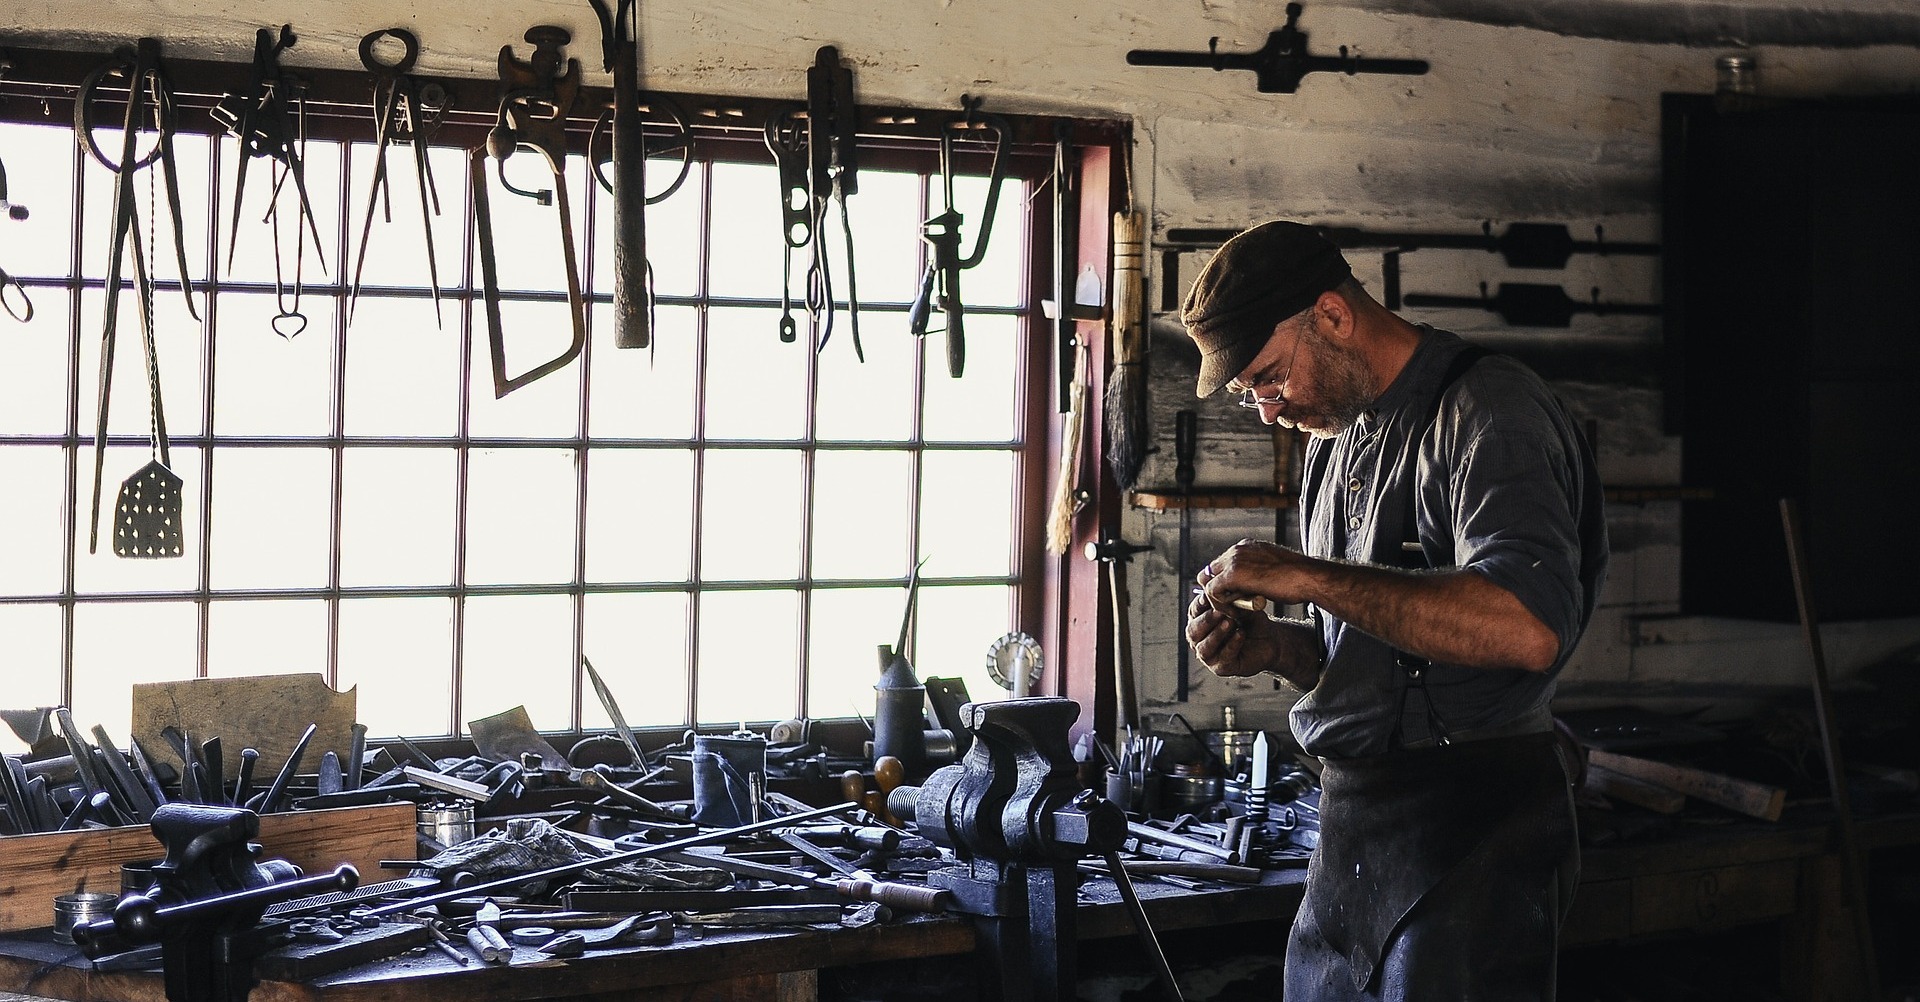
(1014, 797)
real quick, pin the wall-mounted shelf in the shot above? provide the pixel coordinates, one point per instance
(1215, 497)
(1254, 497)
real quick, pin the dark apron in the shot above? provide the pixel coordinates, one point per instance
(1490, 820)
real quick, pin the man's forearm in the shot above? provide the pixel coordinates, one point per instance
(1455, 616)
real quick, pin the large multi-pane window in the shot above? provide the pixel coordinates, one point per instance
(724, 524)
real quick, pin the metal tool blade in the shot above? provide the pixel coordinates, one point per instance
(612, 706)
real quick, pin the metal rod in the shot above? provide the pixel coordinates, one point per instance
(1121, 880)
(1856, 887)
(582, 866)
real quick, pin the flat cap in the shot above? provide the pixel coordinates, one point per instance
(1255, 280)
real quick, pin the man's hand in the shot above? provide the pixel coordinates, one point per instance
(1251, 567)
(1231, 642)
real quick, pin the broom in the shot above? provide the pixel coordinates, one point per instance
(1060, 520)
(1126, 402)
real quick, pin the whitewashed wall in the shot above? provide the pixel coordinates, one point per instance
(1535, 110)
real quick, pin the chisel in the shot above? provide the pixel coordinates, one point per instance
(268, 800)
(132, 789)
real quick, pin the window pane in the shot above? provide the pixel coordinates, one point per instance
(39, 177)
(869, 401)
(861, 514)
(519, 652)
(843, 660)
(396, 251)
(266, 638)
(32, 505)
(640, 515)
(182, 380)
(118, 644)
(260, 244)
(673, 232)
(644, 392)
(33, 364)
(756, 384)
(31, 661)
(396, 517)
(750, 515)
(532, 334)
(967, 507)
(747, 248)
(399, 653)
(403, 373)
(979, 406)
(271, 518)
(267, 384)
(954, 626)
(888, 255)
(638, 644)
(101, 571)
(520, 516)
(749, 655)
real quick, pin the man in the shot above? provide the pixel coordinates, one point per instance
(1454, 546)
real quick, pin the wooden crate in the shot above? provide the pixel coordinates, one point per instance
(36, 868)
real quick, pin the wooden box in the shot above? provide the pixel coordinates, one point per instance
(34, 869)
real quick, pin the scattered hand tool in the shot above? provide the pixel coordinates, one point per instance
(151, 498)
(600, 779)
(133, 792)
(406, 112)
(612, 706)
(940, 285)
(535, 99)
(600, 862)
(264, 120)
(632, 292)
(356, 757)
(1279, 65)
(851, 884)
(265, 803)
(1184, 443)
(485, 936)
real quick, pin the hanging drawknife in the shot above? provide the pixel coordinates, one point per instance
(632, 298)
(149, 98)
(263, 120)
(405, 111)
(940, 284)
(535, 99)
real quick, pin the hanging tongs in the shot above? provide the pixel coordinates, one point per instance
(632, 299)
(535, 100)
(149, 100)
(940, 285)
(264, 120)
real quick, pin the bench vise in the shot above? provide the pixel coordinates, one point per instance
(1016, 817)
(205, 909)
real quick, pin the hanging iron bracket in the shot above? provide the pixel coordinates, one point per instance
(1279, 65)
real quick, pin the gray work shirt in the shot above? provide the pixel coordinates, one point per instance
(1500, 484)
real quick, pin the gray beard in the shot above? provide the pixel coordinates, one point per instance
(1347, 386)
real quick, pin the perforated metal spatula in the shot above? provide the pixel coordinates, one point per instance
(148, 516)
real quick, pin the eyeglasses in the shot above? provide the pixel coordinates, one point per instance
(1251, 398)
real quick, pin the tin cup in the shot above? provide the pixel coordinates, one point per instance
(70, 910)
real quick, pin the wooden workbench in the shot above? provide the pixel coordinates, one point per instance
(1697, 879)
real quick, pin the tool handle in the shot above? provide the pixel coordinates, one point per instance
(906, 897)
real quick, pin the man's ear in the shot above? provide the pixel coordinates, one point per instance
(1336, 313)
